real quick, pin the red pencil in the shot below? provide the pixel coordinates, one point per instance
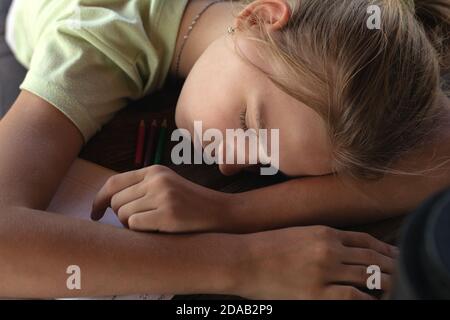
(140, 144)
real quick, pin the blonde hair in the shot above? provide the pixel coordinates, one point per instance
(379, 91)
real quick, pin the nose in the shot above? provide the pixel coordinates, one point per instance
(230, 169)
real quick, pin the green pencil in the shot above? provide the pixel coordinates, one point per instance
(160, 149)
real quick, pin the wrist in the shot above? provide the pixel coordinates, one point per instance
(222, 272)
(215, 264)
(243, 270)
(236, 267)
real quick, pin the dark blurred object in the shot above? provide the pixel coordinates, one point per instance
(424, 264)
(4, 7)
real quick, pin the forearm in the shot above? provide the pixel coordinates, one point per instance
(37, 247)
(337, 201)
(331, 201)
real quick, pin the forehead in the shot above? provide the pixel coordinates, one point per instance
(304, 144)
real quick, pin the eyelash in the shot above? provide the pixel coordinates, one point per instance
(243, 120)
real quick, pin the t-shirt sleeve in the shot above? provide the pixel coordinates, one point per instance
(81, 76)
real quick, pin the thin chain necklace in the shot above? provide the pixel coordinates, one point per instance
(190, 28)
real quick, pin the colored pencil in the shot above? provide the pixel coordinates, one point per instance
(161, 143)
(152, 137)
(140, 143)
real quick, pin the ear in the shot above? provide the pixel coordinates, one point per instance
(275, 14)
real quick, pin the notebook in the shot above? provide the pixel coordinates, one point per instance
(74, 199)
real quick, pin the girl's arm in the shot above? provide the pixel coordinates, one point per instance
(37, 145)
(336, 201)
(333, 201)
(37, 248)
(157, 199)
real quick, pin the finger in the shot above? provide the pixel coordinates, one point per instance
(364, 240)
(145, 221)
(357, 276)
(143, 204)
(343, 292)
(126, 196)
(114, 185)
(368, 257)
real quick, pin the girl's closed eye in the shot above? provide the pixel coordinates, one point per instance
(243, 120)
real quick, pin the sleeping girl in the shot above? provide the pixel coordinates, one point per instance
(354, 105)
(363, 132)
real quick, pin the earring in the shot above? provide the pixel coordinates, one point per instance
(231, 30)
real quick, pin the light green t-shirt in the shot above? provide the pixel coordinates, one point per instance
(88, 58)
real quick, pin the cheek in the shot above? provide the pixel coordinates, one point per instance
(191, 104)
(209, 104)
(211, 114)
